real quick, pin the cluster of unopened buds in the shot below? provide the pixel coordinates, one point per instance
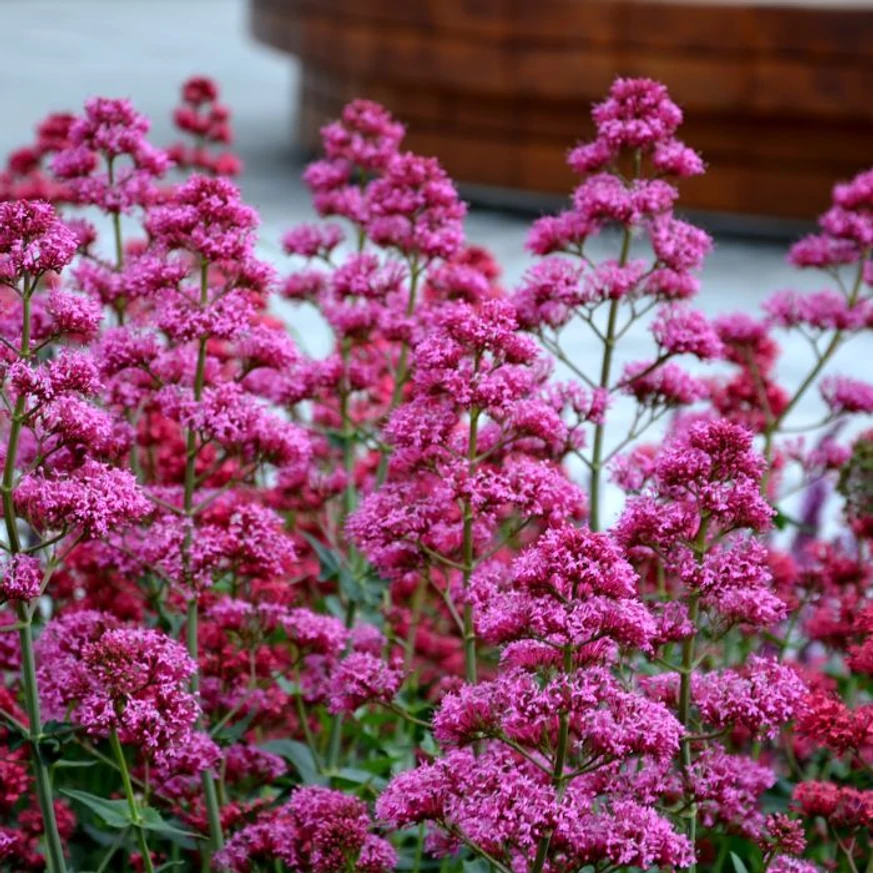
(455, 596)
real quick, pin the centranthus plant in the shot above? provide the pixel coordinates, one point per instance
(484, 590)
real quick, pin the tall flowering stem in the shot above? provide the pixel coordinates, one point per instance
(558, 780)
(472, 465)
(636, 126)
(604, 384)
(205, 123)
(686, 672)
(210, 792)
(702, 492)
(213, 227)
(34, 242)
(402, 374)
(467, 546)
(116, 230)
(350, 502)
(108, 162)
(841, 316)
(552, 722)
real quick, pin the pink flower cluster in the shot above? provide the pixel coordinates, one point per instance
(317, 831)
(203, 117)
(32, 241)
(402, 201)
(108, 678)
(108, 161)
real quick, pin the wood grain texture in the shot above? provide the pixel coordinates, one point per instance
(778, 97)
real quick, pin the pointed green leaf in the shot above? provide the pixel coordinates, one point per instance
(151, 821)
(114, 813)
(55, 728)
(227, 735)
(64, 764)
(739, 864)
(356, 776)
(299, 755)
(330, 564)
(288, 686)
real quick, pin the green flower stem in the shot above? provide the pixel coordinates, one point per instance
(418, 599)
(210, 794)
(301, 717)
(558, 779)
(685, 674)
(823, 359)
(350, 500)
(54, 846)
(402, 367)
(347, 434)
(135, 817)
(594, 514)
(336, 724)
(467, 559)
(688, 647)
(119, 244)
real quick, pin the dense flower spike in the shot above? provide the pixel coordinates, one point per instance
(370, 612)
(317, 831)
(111, 679)
(33, 241)
(204, 118)
(25, 176)
(22, 578)
(413, 207)
(366, 135)
(205, 218)
(107, 159)
(636, 124)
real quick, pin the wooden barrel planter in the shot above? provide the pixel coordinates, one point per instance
(778, 95)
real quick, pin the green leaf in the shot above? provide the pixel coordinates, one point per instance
(330, 564)
(114, 813)
(151, 820)
(334, 606)
(429, 745)
(102, 837)
(170, 865)
(380, 766)
(55, 734)
(65, 764)
(781, 521)
(355, 776)
(288, 686)
(739, 864)
(16, 739)
(227, 735)
(475, 865)
(299, 755)
(176, 622)
(58, 728)
(349, 586)
(337, 440)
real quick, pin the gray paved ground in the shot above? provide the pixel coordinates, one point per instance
(59, 52)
